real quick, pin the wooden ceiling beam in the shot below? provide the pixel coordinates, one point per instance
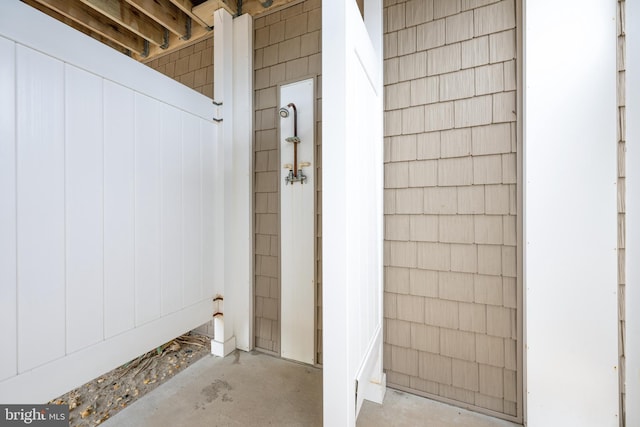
(98, 23)
(130, 18)
(166, 14)
(255, 7)
(76, 26)
(176, 43)
(186, 6)
(206, 9)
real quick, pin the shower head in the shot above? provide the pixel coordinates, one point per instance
(284, 112)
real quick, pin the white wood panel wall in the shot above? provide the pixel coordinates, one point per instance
(352, 210)
(8, 306)
(107, 189)
(40, 153)
(84, 194)
(119, 208)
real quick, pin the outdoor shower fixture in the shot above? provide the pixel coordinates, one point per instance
(295, 174)
(297, 220)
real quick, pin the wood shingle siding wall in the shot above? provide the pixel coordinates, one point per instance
(192, 66)
(287, 47)
(451, 329)
(621, 201)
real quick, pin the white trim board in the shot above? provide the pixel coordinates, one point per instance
(297, 221)
(632, 288)
(570, 220)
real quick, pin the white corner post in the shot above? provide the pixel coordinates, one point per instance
(352, 211)
(570, 220)
(241, 249)
(632, 287)
(233, 85)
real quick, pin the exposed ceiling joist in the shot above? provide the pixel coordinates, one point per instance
(205, 10)
(257, 7)
(131, 19)
(83, 15)
(75, 25)
(176, 42)
(186, 6)
(145, 29)
(166, 14)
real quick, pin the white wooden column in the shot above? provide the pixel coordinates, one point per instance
(241, 250)
(632, 288)
(570, 221)
(233, 83)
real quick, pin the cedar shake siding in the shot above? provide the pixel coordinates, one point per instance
(287, 47)
(451, 208)
(191, 65)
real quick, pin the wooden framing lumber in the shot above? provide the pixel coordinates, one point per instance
(97, 22)
(205, 10)
(255, 7)
(166, 14)
(76, 26)
(186, 6)
(130, 18)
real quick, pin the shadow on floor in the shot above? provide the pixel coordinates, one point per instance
(255, 389)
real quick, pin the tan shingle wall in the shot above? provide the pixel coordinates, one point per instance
(191, 66)
(451, 200)
(287, 48)
(621, 201)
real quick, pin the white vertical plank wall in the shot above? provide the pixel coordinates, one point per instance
(192, 222)
(352, 210)
(119, 209)
(8, 306)
(84, 194)
(40, 164)
(570, 221)
(107, 184)
(171, 260)
(147, 212)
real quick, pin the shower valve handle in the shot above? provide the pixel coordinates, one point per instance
(290, 166)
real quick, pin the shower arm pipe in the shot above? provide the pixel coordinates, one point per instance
(295, 134)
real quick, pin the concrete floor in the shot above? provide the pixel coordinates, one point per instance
(255, 389)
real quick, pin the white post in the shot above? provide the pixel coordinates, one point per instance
(233, 88)
(223, 93)
(632, 288)
(570, 221)
(242, 230)
(338, 385)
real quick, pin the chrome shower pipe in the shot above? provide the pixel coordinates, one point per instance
(284, 112)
